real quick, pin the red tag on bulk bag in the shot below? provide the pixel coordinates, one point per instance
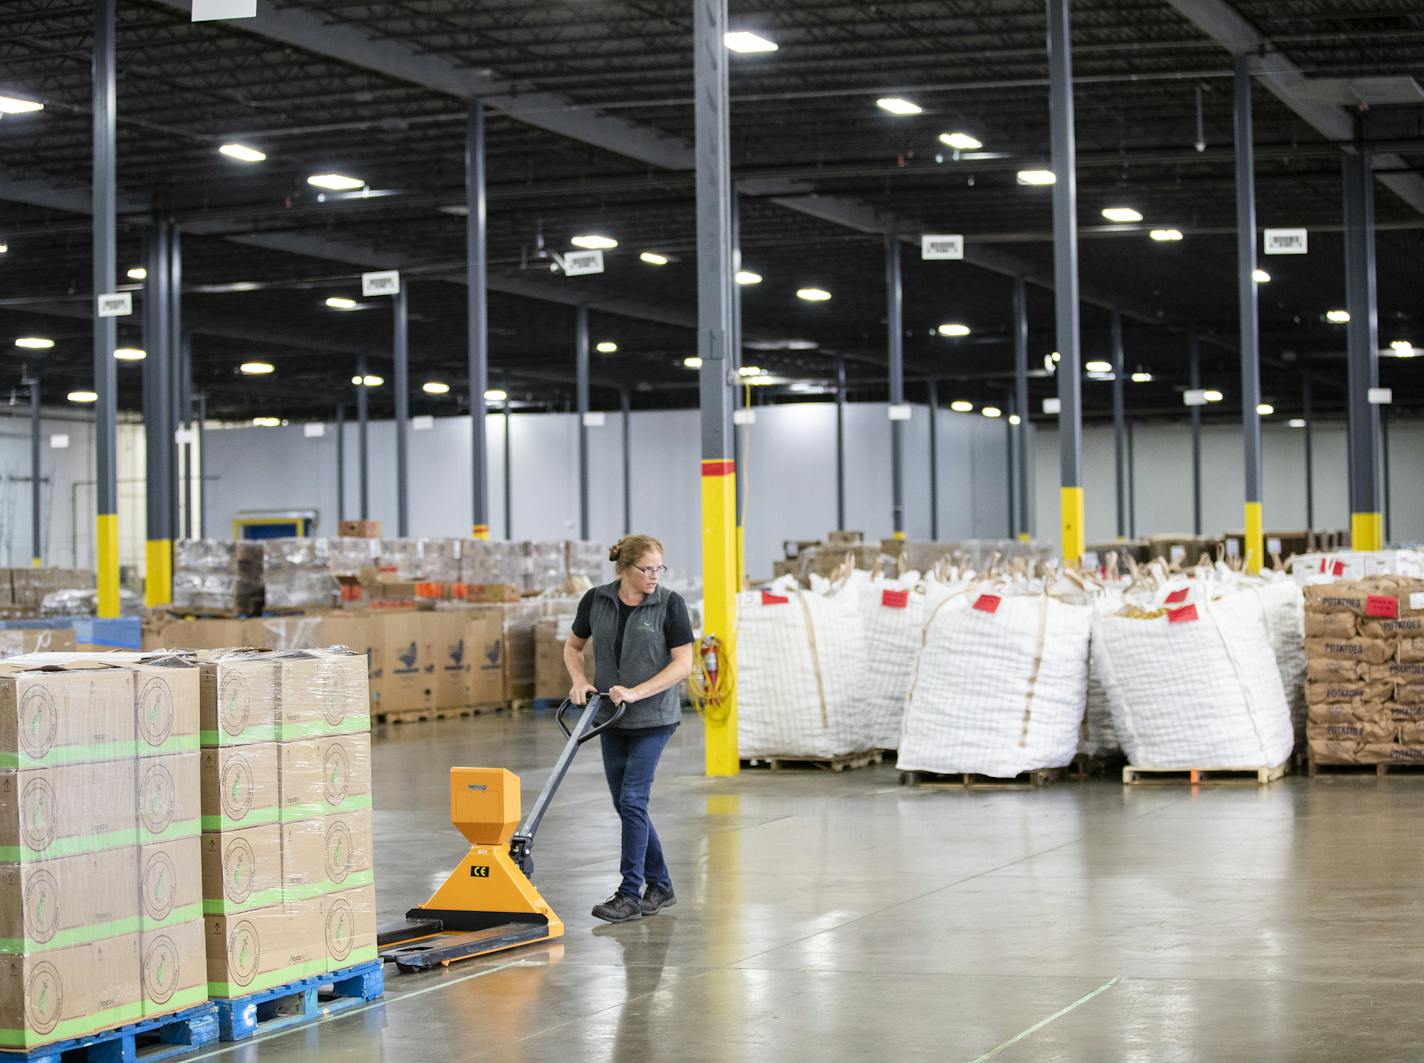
(987, 603)
(1382, 606)
(1179, 616)
(895, 599)
(1332, 568)
(1178, 597)
(767, 598)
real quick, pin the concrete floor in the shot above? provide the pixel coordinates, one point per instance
(843, 917)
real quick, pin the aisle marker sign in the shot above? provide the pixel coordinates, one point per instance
(1380, 396)
(116, 304)
(59, 441)
(1287, 242)
(212, 10)
(382, 282)
(581, 263)
(945, 247)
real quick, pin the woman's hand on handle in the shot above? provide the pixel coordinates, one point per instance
(623, 695)
(579, 692)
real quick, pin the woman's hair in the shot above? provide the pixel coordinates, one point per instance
(626, 552)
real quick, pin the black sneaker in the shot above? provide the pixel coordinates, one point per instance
(655, 899)
(620, 908)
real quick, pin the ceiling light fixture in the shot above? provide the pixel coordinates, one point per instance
(962, 406)
(1035, 177)
(898, 105)
(35, 343)
(266, 422)
(1015, 419)
(607, 347)
(335, 182)
(1337, 317)
(992, 411)
(130, 354)
(1141, 377)
(138, 273)
(652, 258)
(960, 141)
(1166, 236)
(242, 153)
(1399, 349)
(953, 329)
(496, 395)
(1212, 395)
(1265, 409)
(256, 368)
(15, 105)
(1260, 276)
(1098, 366)
(83, 396)
(692, 363)
(813, 295)
(1122, 215)
(594, 242)
(744, 42)
(1297, 422)
(750, 371)
(435, 387)
(340, 302)
(746, 276)
(370, 380)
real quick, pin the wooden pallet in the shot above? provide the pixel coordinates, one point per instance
(1137, 775)
(420, 715)
(867, 758)
(299, 1003)
(1318, 768)
(969, 780)
(1087, 766)
(152, 1040)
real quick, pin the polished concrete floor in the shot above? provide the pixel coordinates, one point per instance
(829, 917)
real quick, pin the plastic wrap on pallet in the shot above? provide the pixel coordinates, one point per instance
(299, 573)
(491, 561)
(86, 603)
(586, 559)
(17, 641)
(801, 661)
(543, 565)
(1356, 565)
(216, 576)
(1192, 679)
(404, 557)
(350, 557)
(442, 561)
(1001, 682)
(26, 588)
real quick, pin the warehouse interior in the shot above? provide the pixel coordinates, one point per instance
(1019, 398)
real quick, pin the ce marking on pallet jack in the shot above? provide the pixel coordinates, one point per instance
(462, 921)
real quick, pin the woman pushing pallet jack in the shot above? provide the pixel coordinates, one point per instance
(642, 639)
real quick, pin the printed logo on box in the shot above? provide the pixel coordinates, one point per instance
(340, 930)
(41, 907)
(44, 998)
(38, 814)
(160, 886)
(340, 689)
(237, 796)
(339, 855)
(39, 722)
(244, 952)
(155, 715)
(160, 970)
(241, 870)
(234, 703)
(336, 773)
(158, 798)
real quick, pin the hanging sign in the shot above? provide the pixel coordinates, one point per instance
(581, 263)
(422, 423)
(1195, 397)
(1052, 406)
(900, 411)
(116, 304)
(941, 247)
(313, 431)
(1286, 242)
(595, 419)
(382, 282)
(59, 442)
(212, 10)
(1380, 396)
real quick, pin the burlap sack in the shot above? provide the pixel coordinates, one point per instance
(1411, 733)
(1350, 712)
(1369, 599)
(1347, 751)
(1366, 651)
(1408, 627)
(1329, 670)
(1330, 625)
(1355, 731)
(1411, 650)
(1321, 693)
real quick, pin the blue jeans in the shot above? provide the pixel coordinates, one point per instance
(629, 762)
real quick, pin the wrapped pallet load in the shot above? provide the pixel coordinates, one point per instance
(801, 673)
(1001, 681)
(1191, 675)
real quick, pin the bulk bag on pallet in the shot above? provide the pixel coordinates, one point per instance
(1000, 685)
(1284, 608)
(1098, 733)
(1194, 683)
(800, 674)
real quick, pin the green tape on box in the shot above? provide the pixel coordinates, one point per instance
(258, 817)
(364, 954)
(14, 854)
(188, 913)
(223, 906)
(184, 998)
(355, 880)
(233, 991)
(250, 737)
(180, 828)
(296, 732)
(59, 756)
(99, 1021)
(78, 935)
(174, 744)
(313, 809)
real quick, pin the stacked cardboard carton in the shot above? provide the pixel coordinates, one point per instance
(215, 576)
(286, 784)
(1364, 644)
(551, 677)
(100, 872)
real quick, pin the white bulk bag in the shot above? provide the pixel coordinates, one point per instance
(800, 674)
(1284, 607)
(1195, 685)
(998, 692)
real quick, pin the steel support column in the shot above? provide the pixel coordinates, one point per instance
(158, 436)
(1010, 451)
(340, 462)
(1194, 382)
(508, 477)
(715, 299)
(1065, 281)
(1384, 472)
(106, 332)
(738, 390)
(1308, 416)
(895, 342)
(1021, 402)
(202, 457)
(840, 444)
(1131, 483)
(625, 404)
(185, 406)
(1119, 407)
(477, 315)
(36, 553)
(581, 354)
(932, 400)
(1254, 546)
(400, 349)
(173, 366)
(363, 442)
(1362, 334)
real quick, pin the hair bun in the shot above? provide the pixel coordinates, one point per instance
(613, 550)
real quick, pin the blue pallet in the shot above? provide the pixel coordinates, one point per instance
(166, 1037)
(300, 1002)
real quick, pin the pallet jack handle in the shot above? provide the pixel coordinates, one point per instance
(521, 846)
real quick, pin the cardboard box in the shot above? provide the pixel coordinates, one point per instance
(17, 641)
(359, 529)
(239, 786)
(551, 676)
(238, 699)
(54, 812)
(313, 632)
(325, 855)
(484, 649)
(54, 904)
(845, 538)
(266, 947)
(60, 711)
(519, 621)
(170, 882)
(321, 776)
(70, 992)
(321, 693)
(200, 634)
(405, 676)
(349, 927)
(173, 968)
(169, 797)
(449, 653)
(242, 869)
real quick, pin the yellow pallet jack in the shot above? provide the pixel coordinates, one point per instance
(489, 903)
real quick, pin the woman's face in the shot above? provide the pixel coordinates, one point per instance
(639, 577)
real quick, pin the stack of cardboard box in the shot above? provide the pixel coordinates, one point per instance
(287, 878)
(211, 576)
(100, 872)
(1364, 689)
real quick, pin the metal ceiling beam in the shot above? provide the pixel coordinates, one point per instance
(1288, 83)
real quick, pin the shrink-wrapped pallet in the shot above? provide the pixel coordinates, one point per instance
(801, 663)
(217, 576)
(1000, 685)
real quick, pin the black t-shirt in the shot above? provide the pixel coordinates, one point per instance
(677, 625)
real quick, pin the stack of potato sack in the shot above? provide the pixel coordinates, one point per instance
(1365, 670)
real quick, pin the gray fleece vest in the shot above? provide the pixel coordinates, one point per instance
(645, 654)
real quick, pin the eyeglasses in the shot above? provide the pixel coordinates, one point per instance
(652, 571)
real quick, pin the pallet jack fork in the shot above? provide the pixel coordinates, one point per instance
(489, 902)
